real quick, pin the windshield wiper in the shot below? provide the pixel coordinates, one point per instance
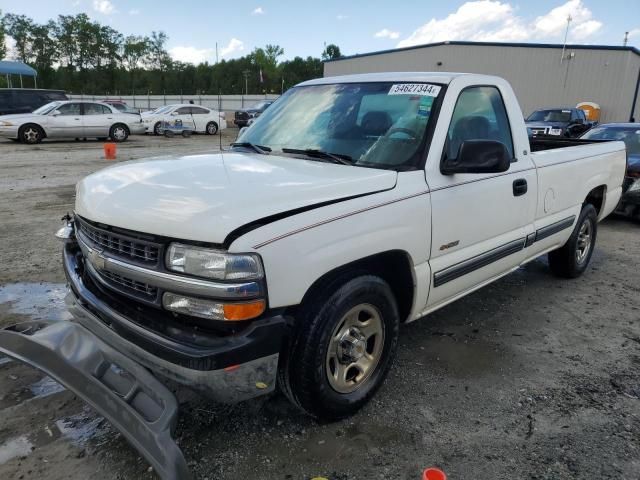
(312, 152)
(256, 148)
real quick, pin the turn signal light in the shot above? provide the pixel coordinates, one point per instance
(244, 311)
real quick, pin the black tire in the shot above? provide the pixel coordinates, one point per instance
(305, 369)
(156, 128)
(572, 259)
(211, 128)
(119, 132)
(31, 134)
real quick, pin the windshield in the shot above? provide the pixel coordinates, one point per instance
(629, 135)
(550, 116)
(43, 110)
(164, 109)
(379, 125)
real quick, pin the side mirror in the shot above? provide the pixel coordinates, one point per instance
(478, 156)
(578, 121)
(55, 113)
(173, 114)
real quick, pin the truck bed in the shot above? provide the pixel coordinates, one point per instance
(539, 144)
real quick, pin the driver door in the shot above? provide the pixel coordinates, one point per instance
(480, 221)
(66, 121)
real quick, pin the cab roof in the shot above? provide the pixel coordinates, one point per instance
(430, 77)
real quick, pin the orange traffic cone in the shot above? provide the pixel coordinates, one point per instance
(110, 151)
(433, 474)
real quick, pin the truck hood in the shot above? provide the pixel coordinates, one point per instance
(206, 197)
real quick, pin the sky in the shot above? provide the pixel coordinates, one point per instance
(303, 28)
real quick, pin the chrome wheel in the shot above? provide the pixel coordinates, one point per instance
(119, 133)
(212, 128)
(31, 135)
(584, 241)
(355, 348)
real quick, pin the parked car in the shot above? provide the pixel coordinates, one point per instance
(71, 119)
(629, 133)
(203, 120)
(559, 122)
(26, 100)
(295, 257)
(122, 106)
(246, 116)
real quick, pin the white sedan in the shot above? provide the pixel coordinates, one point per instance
(197, 117)
(71, 119)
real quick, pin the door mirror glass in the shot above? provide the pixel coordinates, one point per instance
(478, 156)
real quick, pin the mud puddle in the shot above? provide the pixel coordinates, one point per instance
(38, 301)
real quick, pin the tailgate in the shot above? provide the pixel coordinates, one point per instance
(121, 390)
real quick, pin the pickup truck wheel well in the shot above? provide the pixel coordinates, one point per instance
(394, 267)
(596, 197)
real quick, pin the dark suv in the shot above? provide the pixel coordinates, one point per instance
(558, 122)
(246, 116)
(26, 100)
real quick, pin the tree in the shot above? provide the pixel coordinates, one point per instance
(19, 27)
(331, 52)
(3, 48)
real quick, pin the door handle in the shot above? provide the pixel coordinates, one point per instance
(519, 187)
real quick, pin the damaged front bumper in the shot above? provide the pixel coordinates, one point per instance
(110, 361)
(118, 388)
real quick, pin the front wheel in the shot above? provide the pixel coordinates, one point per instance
(119, 133)
(344, 348)
(31, 134)
(572, 259)
(212, 128)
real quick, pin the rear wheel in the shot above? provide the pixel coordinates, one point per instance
(156, 128)
(212, 128)
(344, 347)
(31, 134)
(572, 259)
(119, 132)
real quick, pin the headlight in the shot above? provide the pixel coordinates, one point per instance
(6, 124)
(209, 263)
(635, 186)
(555, 131)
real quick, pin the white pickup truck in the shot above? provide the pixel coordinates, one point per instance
(351, 205)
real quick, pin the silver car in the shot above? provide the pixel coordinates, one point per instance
(71, 119)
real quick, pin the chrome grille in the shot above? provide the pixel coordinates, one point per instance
(131, 285)
(120, 245)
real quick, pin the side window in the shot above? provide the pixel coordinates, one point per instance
(69, 109)
(95, 109)
(479, 114)
(183, 111)
(199, 111)
(5, 99)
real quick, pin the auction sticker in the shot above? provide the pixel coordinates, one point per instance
(414, 89)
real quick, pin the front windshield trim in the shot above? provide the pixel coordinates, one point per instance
(47, 108)
(414, 161)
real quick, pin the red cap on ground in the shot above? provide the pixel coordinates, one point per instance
(433, 474)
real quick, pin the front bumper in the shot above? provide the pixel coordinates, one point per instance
(137, 128)
(9, 131)
(121, 390)
(227, 369)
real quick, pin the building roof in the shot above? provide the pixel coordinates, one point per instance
(16, 68)
(493, 44)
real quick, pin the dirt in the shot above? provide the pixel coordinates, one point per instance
(532, 377)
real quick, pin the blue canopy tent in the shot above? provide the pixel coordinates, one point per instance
(8, 68)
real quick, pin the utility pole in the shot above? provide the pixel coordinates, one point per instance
(216, 53)
(245, 74)
(626, 39)
(566, 34)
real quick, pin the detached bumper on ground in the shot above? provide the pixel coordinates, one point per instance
(125, 393)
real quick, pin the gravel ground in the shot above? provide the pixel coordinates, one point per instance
(529, 378)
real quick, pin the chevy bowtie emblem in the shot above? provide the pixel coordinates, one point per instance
(97, 259)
